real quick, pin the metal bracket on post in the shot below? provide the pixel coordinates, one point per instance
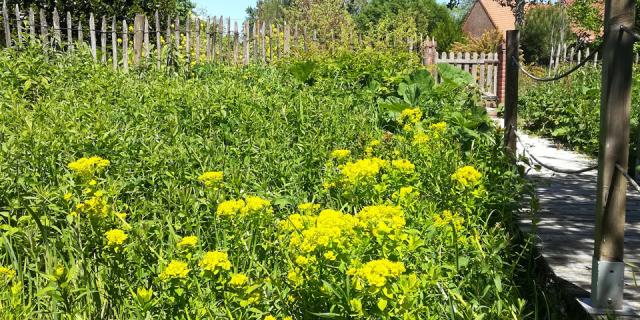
(608, 280)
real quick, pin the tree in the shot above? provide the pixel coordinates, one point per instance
(430, 18)
(543, 25)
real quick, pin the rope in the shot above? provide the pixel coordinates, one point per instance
(558, 77)
(550, 167)
(628, 177)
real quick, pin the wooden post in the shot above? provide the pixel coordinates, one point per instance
(145, 45)
(286, 39)
(221, 29)
(103, 39)
(262, 42)
(167, 37)
(114, 44)
(256, 39)
(607, 280)
(511, 92)
(44, 33)
(158, 42)
(5, 22)
(197, 44)
(18, 24)
(80, 35)
(32, 25)
(125, 46)
(235, 42)
(187, 35)
(207, 35)
(229, 40)
(270, 43)
(69, 32)
(245, 43)
(57, 35)
(92, 34)
(214, 38)
(138, 24)
(177, 33)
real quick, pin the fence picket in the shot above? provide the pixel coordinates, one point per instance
(197, 44)
(177, 33)
(92, 34)
(32, 25)
(208, 40)
(57, 36)
(146, 45)
(481, 67)
(5, 23)
(18, 23)
(235, 42)
(221, 30)
(262, 42)
(187, 35)
(69, 32)
(138, 25)
(286, 39)
(158, 42)
(103, 39)
(245, 43)
(44, 33)
(125, 46)
(114, 44)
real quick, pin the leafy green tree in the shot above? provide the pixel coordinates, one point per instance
(430, 18)
(541, 25)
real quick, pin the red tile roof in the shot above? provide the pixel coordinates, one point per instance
(501, 16)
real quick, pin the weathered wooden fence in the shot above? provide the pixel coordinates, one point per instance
(485, 68)
(563, 54)
(151, 40)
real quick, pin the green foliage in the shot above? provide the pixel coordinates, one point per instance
(430, 18)
(119, 8)
(542, 25)
(270, 135)
(569, 112)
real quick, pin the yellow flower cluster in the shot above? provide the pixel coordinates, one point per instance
(175, 270)
(410, 115)
(376, 273)
(215, 261)
(447, 218)
(144, 295)
(87, 167)
(340, 154)
(308, 207)
(188, 242)
(381, 219)
(238, 280)
(466, 175)
(115, 237)
(367, 168)
(420, 138)
(250, 205)
(6, 274)
(95, 207)
(329, 229)
(211, 179)
(403, 165)
(406, 193)
(438, 127)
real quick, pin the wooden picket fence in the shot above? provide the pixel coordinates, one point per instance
(212, 39)
(485, 68)
(563, 54)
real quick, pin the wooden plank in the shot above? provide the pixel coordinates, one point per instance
(114, 44)
(5, 23)
(276, 48)
(176, 25)
(158, 42)
(287, 47)
(138, 25)
(18, 23)
(481, 68)
(221, 52)
(571, 54)
(57, 35)
(262, 42)
(103, 39)
(295, 37)
(270, 43)
(229, 41)
(467, 66)
(187, 34)
(495, 75)
(44, 31)
(125, 46)
(474, 67)
(207, 34)
(511, 93)
(256, 39)
(197, 42)
(305, 39)
(214, 38)
(80, 34)
(32, 25)
(167, 34)
(69, 32)
(92, 34)
(579, 56)
(245, 43)
(235, 42)
(146, 45)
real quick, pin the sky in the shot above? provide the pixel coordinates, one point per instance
(228, 8)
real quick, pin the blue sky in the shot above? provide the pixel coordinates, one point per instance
(228, 8)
